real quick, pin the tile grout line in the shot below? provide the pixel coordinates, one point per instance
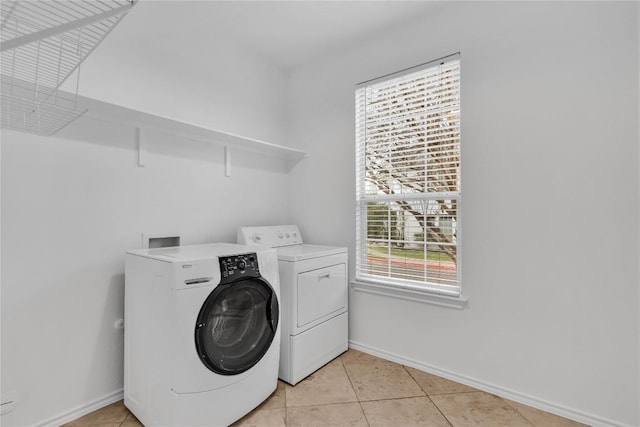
(440, 411)
(286, 408)
(354, 390)
(517, 411)
(429, 397)
(461, 392)
(126, 416)
(326, 404)
(366, 420)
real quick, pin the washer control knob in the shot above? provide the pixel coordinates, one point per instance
(280, 235)
(257, 238)
(242, 265)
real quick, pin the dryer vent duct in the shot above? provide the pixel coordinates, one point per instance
(160, 240)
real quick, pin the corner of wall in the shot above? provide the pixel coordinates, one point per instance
(638, 169)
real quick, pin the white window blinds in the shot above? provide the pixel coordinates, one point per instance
(408, 178)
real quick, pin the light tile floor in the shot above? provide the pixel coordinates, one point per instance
(358, 389)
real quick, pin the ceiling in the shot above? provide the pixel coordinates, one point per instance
(286, 33)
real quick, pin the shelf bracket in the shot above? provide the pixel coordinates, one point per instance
(140, 145)
(227, 161)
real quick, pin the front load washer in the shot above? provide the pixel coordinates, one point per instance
(314, 305)
(202, 335)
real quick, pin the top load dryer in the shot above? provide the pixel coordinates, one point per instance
(314, 305)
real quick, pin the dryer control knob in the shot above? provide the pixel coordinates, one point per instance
(256, 238)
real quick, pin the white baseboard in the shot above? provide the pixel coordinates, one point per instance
(553, 408)
(83, 409)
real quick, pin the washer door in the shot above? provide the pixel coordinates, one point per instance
(236, 325)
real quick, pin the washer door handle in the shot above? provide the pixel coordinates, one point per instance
(324, 275)
(198, 280)
(273, 312)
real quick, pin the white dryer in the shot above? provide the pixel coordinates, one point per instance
(315, 326)
(202, 335)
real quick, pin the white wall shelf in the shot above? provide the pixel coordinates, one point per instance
(118, 114)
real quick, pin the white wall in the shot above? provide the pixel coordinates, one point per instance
(550, 200)
(72, 205)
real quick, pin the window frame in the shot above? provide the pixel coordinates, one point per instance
(444, 295)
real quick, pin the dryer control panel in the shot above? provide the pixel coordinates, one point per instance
(237, 267)
(272, 236)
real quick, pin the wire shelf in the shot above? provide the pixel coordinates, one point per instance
(43, 43)
(24, 110)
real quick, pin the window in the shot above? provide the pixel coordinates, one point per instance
(408, 179)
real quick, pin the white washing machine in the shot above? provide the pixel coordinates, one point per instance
(315, 326)
(202, 335)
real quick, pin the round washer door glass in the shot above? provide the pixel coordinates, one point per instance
(236, 325)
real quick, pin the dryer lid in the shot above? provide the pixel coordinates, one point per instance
(193, 252)
(302, 252)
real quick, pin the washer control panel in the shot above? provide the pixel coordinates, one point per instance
(236, 267)
(272, 236)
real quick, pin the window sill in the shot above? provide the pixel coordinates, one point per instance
(410, 294)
